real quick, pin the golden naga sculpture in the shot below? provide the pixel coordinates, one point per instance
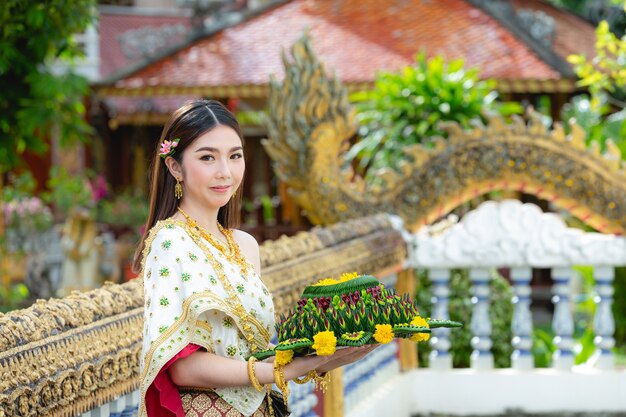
(311, 122)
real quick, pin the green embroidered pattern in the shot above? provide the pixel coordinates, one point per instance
(166, 244)
(185, 276)
(164, 301)
(164, 272)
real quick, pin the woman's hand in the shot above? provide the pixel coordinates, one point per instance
(303, 364)
(345, 357)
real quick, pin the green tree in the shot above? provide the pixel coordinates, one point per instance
(405, 108)
(606, 72)
(605, 75)
(34, 100)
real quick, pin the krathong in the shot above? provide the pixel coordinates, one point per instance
(352, 310)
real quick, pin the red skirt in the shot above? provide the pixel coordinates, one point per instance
(164, 398)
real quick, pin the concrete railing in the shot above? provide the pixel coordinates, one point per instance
(79, 355)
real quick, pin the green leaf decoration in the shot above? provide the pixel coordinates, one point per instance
(263, 354)
(356, 284)
(407, 330)
(354, 339)
(433, 323)
(294, 344)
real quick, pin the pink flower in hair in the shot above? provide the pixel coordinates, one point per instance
(167, 147)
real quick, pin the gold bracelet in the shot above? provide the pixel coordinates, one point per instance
(322, 381)
(254, 380)
(309, 376)
(279, 380)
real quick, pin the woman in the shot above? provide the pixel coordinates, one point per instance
(206, 309)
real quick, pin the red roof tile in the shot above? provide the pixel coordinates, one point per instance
(354, 38)
(113, 25)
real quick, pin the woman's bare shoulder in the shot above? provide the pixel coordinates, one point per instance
(249, 247)
(245, 239)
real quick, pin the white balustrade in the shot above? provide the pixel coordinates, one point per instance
(604, 323)
(481, 357)
(522, 322)
(302, 399)
(440, 339)
(366, 375)
(563, 320)
(118, 406)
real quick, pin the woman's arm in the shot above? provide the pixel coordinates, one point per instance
(204, 369)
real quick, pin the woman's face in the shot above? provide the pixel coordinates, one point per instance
(213, 168)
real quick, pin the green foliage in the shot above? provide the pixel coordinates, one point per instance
(405, 108)
(19, 186)
(543, 347)
(125, 210)
(67, 191)
(584, 334)
(606, 72)
(598, 126)
(460, 309)
(34, 100)
(12, 297)
(619, 307)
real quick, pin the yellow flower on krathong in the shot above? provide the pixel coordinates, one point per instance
(383, 333)
(325, 343)
(325, 281)
(420, 322)
(347, 276)
(283, 357)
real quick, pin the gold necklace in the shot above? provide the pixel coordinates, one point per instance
(232, 252)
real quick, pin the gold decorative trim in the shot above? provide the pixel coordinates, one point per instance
(263, 90)
(70, 374)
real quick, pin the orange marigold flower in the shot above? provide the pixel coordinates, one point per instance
(383, 333)
(283, 357)
(325, 281)
(420, 322)
(325, 343)
(347, 276)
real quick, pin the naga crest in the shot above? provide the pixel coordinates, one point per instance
(311, 122)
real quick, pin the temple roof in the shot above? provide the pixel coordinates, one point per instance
(357, 38)
(123, 29)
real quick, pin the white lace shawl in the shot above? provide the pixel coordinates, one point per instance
(185, 302)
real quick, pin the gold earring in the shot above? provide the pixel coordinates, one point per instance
(178, 189)
(234, 194)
